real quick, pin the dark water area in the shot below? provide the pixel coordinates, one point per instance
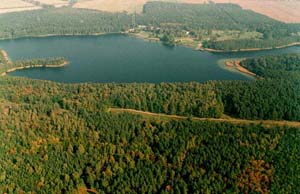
(121, 58)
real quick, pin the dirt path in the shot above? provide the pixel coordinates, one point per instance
(266, 123)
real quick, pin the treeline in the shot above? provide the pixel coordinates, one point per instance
(62, 21)
(203, 16)
(49, 145)
(270, 99)
(235, 45)
(275, 96)
(190, 99)
(173, 19)
(275, 99)
(268, 65)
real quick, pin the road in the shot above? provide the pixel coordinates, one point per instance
(225, 119)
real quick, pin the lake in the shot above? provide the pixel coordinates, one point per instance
(121, 58)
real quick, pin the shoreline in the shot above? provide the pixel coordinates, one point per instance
(140, 36)
(233, 65)
(63, 35)
(200, 48)
(33, 66)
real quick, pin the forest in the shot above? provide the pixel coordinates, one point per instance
(236, 45)
(269, 65)
(51, 132)
(275, 96)
(199, 21)
(63, 138)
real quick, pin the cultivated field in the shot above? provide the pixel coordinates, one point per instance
(130, 6)
(112, 5)
(283, 10)
(7, 6)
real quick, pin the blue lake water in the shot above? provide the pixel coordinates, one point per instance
(122, 58)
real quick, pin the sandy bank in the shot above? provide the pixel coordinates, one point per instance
(236, 64)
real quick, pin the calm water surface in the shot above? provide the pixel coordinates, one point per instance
(121, 58)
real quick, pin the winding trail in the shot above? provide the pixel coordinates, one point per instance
(226, 119)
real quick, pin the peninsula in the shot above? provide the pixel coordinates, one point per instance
(8, 66)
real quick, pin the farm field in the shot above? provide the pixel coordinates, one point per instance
(130, 6)
(112, 6)
(283, 10)
(7, 6)
(286, 11)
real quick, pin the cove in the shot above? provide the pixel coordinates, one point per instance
(123, 59)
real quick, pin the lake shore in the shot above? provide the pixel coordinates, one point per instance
(236, 64)
(233, 65)
(34, 66)
(200, 48)
(141, 36)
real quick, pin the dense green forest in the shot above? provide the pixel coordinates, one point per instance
(64, 21)
(269, 65)
(263, 99)
(205, 16)
(59, 138)
(50, 133)
(235, 45)
(63, 138)
(200, 21)
(275, 96)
